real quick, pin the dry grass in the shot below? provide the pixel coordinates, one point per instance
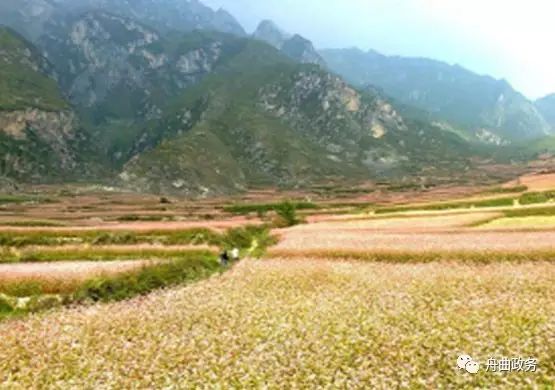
(299, 324)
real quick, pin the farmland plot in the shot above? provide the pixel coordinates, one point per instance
(299, 324)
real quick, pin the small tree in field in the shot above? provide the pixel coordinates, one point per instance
(287, 214)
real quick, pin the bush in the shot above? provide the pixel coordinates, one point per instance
(5, 304)
(287, 213)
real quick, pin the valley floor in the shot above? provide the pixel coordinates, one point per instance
(358, 297)
(303, 323)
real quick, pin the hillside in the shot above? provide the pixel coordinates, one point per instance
(119, 73)
(546, 106)
(281, 123)
(205, 113)
(294, 46)
(486, 109)
(38, 129)
(32, 18)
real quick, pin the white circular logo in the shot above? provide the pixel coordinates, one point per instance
(465, 362)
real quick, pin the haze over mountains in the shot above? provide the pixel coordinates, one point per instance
(172, 96)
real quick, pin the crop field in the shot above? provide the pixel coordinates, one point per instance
(349, 298)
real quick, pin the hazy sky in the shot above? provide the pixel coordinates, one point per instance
(512, 39)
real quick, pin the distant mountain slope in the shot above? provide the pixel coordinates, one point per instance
(201, 113)
(488, 109)
(262, 119)
(31, 17)
(546, 106)
(38, 129)
(120, 73)
(294, 46)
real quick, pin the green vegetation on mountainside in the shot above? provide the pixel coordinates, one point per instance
(22, 85)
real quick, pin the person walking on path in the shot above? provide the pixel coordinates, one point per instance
(224, 259)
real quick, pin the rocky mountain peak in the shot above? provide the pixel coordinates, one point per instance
(302, 50)
(296, 47)
(269, 32)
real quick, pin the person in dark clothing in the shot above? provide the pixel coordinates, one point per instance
(224, 259)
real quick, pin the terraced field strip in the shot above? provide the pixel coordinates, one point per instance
(372, 240)
(63, 276)
(418, 222)
(137, 226)
(533, 222)
(543, 182)
(102, 253)
(284, 324)
(408, 257)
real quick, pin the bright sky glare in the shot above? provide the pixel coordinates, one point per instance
(511, 39)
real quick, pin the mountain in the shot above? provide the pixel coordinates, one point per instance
(546, 106)
(201, 113)
(294, 46)
(119, 73)
(484, 108)
(38, 128)
(270, 33)
(32, 17)
(262, 119)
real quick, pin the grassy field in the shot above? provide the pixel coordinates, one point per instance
(351, 299)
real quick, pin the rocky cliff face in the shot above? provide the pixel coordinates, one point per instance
(37, 127)
(37, 144)
(100, 51)
(329, 111)
(121, 74)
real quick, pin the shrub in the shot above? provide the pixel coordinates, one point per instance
(287, 213)
(5, 304)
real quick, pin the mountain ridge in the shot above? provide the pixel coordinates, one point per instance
(294, 46)
(483, 106)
